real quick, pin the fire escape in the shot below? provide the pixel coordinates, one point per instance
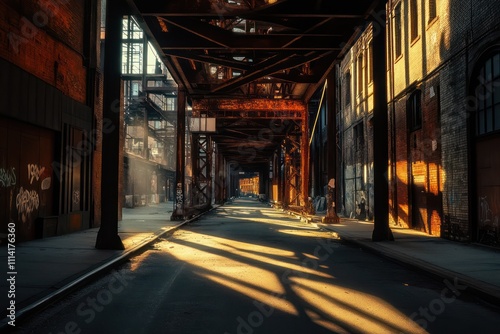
(150, 118)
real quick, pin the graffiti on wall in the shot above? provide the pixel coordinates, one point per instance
(34, 172)
(45, 185)
(179, 198)
(76, 197)
(7, 177)
(27, 201)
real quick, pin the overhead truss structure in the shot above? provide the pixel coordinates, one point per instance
(253, 66)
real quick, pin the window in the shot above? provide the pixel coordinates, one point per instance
(432, 10)
(413, 19)
(369, 62)
(397, 30)
(359, 137)
(360, 74)
(415, 111)
(487, 96)
(347, 88)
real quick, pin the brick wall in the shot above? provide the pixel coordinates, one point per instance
(45, 38)
(355, 115)
(439, 63)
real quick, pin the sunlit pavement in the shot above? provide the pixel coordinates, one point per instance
(48, 268)
(476, 266)
(247, 268)
(269, 264)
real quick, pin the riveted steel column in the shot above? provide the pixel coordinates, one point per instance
(178, 213)
(304, 161)
(202, 169)
(381, 229)
(331, 109)
(218, 177)
(107, 237)
(293, 165)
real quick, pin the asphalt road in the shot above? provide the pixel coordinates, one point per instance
(247, 268)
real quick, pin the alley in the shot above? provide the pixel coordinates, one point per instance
(247, 268)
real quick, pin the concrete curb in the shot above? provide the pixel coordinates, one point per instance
(483, 290)
(87, 277)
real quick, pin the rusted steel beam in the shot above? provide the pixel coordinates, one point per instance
(293, 161)
(264, 114)
(265, 105)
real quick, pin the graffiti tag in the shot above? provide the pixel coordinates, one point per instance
(179, 197)
(27, 201)
(46, 183)
(34, 172)
(76, 197)
(7, 177)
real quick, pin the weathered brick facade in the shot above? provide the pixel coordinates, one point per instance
(432, 184)
(45, 38)
(356, 131)
(50, 88)
(432, 66)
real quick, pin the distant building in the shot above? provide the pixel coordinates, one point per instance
(249, 186)
(355, 133)
(150, 115)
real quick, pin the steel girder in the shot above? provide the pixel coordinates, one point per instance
(202, 170)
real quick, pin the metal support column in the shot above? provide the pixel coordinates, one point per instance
(202, 167)
(281, 176)
(178, 213)
(145, 139)
(331, 109)
(277, 180)
(304, 163)
(293, 161)
(107, 237)
(219, 177)
(381, 231)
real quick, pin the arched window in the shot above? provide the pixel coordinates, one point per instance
(487, 96)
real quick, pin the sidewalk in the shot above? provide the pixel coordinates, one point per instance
(49, 268)
(472, 265)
